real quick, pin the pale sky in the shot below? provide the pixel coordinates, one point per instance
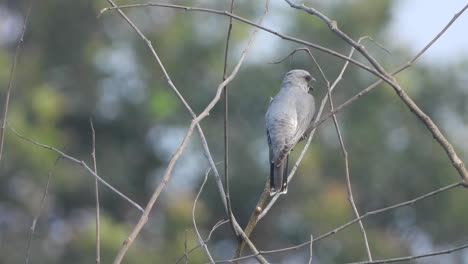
(416, 22)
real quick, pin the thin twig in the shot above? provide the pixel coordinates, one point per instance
(437, 253)
(12, 77)
(32, 229)
(144, 218)
(200, 239)
(185, 248)
(96, 193)
(226, 124)
(80, 162)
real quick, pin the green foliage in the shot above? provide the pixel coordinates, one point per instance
(75, 67)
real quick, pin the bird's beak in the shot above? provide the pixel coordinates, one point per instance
(312, 79)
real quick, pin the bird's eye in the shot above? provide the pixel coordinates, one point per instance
(308, 78)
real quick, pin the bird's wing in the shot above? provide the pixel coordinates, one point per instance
(305, 108)
(280, 133)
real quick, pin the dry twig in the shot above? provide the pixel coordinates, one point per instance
(96, 193)
(432, 254)
(12, 77)
(187, 252)
(200, 239)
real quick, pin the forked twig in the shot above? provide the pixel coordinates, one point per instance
(200, 239)
(187, 252)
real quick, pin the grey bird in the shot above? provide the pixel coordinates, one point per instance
(288, 120)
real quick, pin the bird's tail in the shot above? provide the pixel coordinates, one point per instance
(279, 177)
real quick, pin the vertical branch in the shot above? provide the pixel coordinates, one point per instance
(226, 125)
(311, 249)
(348, 184)
(187, 252)
(11, 79)
(96, 191)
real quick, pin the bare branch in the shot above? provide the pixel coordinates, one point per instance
(226, 126)
(457, 163)
(185, 248)
(80, 162)
(12, 77)
(200, 239)
(185, 256)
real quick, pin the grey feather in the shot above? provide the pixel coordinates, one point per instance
(288, 117)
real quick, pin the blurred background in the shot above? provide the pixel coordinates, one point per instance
(75, 66)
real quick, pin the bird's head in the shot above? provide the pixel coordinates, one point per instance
(300, 78)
